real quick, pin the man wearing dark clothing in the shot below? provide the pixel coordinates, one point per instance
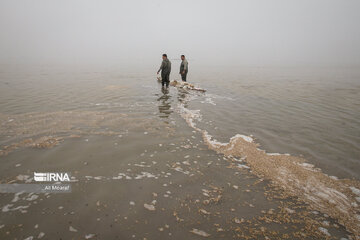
(165, 69)
(184, 67)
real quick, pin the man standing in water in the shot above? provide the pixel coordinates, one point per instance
(183, 68)
(165, 69)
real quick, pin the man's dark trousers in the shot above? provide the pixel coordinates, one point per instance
(165, 79)
(183, 76)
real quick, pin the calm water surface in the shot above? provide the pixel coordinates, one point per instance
(126, 145)
(312, 112)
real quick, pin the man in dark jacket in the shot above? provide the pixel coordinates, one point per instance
(165, 69)
(184, 67)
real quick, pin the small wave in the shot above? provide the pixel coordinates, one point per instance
(215, 96)
(209, 101)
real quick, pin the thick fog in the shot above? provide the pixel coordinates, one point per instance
(216, 32)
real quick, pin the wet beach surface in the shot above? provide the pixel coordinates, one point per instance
(141, 170)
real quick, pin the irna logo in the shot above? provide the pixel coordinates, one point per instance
(51, 177)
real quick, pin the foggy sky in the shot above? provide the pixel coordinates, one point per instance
(224, 32)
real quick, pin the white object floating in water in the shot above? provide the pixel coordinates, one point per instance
(149, 207)
(41, 234)
(238, 221)
(199, 232)
(204, 211)
(22, 177)
(71, 229)
(88, 236)
(132, 203)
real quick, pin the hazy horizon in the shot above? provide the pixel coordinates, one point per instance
(136, 33)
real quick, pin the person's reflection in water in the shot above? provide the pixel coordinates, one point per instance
(182, 96)
(164, 104)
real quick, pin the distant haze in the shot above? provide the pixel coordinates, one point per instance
(222, 32)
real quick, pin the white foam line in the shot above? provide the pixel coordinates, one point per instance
(16, 196)
(246, 138)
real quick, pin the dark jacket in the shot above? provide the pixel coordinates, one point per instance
(165, 66)
(184, 66)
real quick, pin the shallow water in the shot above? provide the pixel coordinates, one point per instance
(127, 143)
(312, 112)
